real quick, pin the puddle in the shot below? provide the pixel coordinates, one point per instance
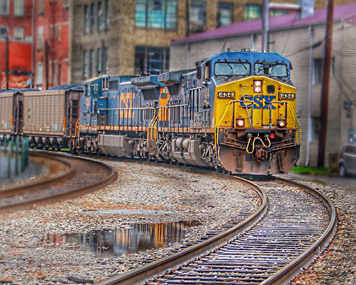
(127, 239)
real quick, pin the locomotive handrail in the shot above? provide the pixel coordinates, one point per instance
(138, 108)
(152, 125)
(76, 131)
(299, 129)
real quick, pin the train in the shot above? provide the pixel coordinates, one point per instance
(234, 111)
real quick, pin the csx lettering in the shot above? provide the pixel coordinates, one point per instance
(257, 102)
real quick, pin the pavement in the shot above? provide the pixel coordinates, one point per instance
(342, 181)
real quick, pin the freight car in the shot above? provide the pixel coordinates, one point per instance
(235, 111)
(47, 117)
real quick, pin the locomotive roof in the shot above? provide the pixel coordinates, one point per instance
(251, 56)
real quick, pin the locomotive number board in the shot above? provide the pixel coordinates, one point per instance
(287, 96)
(226, 95)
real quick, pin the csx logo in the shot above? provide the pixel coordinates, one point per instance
(259, 102)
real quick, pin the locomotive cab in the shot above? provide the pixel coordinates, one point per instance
(256, 128)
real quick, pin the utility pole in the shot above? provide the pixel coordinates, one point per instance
(324, 105)
(265, 16)
(7, 60)
(187, 27)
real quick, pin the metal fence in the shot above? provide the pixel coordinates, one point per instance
(13, 157)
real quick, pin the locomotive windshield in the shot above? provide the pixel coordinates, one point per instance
(232, 68)
(271, 69)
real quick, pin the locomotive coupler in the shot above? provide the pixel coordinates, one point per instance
(260, 155)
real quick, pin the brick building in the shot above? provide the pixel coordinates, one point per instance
(292, 38)
(51, 43)
(16, 24)
(126, 37)
(30, 62)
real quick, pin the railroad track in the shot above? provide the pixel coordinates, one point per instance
(270, 247)
(82, 176)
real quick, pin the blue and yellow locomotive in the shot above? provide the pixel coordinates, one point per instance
(235, 111)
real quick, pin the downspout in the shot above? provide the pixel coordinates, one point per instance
(311, 34)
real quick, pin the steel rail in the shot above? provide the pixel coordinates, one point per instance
(303, 260)
(158, 267)
(110, 178)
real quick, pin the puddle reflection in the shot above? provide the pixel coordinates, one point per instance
(124, 240)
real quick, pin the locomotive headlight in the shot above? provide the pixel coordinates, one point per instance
(257, 86)
(240, 123)
(281, 123)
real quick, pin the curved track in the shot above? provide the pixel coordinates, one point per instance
(84, 176)
(298, 224)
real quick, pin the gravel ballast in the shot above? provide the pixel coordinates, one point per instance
(142, 194)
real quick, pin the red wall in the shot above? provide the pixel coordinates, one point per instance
(20, 59)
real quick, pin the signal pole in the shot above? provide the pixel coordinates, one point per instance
(324, 104)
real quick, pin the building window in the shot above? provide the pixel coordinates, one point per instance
(39, 73)
(50, 72)
(4, 7)
(57, 32)
(105, 60)
(99, 61)
(151, 60)
(91, 63)
(252, 11)
(106, 25)
(92, 17)
(40, 7)
(18, 34)
(4, 31)
(225, 14)
(86, 18)
(197, 16)
(100, 16)
(18, 9)
(278, 13)
(318, 70)
(40, 38)
(65, 4)
(85, 64)
(160, 14)
(55, 73)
